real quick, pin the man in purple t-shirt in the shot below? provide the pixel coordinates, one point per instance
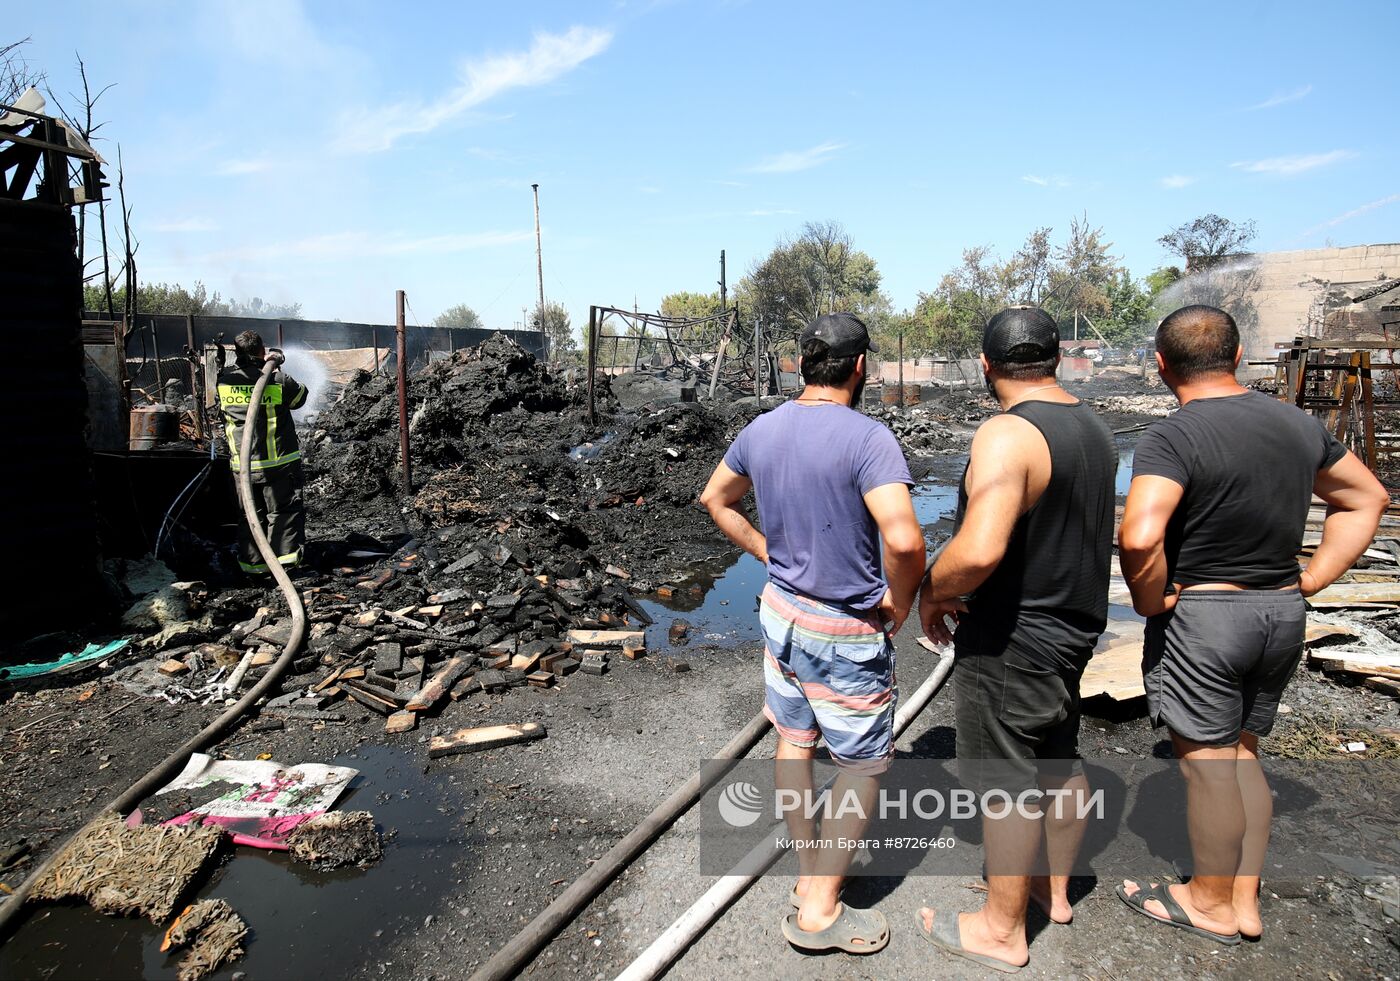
(831, 483)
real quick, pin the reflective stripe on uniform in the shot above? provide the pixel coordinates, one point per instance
(235, 395)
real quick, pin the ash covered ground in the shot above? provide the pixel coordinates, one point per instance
(511, 484)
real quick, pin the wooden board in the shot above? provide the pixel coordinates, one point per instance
(607, 638)
(1386, 686)
(1317, 632)
(1364, 664)
(404, 721)
(1115, 669)
(484, 738)
(440, 683)
(1356, 593)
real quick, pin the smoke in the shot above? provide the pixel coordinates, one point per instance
(308, 369)
(1228, 285)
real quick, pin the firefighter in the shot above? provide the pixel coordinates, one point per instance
(276, 455)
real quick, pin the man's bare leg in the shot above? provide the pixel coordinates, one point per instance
(1064, 830)
(1258, 814)
(793, 771)
(821, 902)
(1215, 823)
(998, 929)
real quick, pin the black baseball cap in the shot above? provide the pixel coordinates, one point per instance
(1019, 335)
(844, 333)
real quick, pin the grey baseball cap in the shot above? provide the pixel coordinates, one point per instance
(844, 333)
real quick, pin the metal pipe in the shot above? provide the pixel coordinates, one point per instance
(406, 478)
(663, 951)
(161, 773)
(512, 958)
(539, 270)
(592, 359)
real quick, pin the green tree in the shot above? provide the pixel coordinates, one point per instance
(553, 319)
(817, 272)
(1131, 311)
(1218, 273)
(172, 298)
(1208, 238)
(460, 315)
(685, 305)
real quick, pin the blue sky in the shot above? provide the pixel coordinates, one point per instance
(330, 153)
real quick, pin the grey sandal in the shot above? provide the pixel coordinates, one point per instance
(1176, 916)
(856, 931)
(946, 936)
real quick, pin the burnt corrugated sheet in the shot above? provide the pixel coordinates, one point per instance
(50, 521)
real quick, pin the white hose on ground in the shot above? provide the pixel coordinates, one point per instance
(664, 950)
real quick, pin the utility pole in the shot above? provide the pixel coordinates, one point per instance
(539, 266)
(723, 292)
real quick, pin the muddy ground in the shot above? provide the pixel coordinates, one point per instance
(476, 845)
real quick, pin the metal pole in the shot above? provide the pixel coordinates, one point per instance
(160, 378)
(406, 483)
(194, 378)
(279, 338)
(374, 339)
(723, 292)
(592, 358)
(539, 269)
(757, 362)
(901, 371)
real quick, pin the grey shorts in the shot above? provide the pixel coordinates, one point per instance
(1017, 720)
(1217, 663)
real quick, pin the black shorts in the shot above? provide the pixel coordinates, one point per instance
(1217, 663)
(1017, 719)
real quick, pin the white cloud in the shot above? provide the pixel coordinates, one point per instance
(1176, 181)
(1039, 181)
(187, 225)
(239, 168)
(1283, 98)
(354, 245)
(792, 161)
(1353, 213)
(1289, 166)
(481, 79)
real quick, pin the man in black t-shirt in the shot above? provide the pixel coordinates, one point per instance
(1209, 543)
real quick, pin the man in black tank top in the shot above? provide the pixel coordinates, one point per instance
(1209, 545)
(1026, 578)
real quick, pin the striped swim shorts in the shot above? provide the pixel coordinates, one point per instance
(828, 673)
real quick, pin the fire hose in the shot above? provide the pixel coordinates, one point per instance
(162, 772)
(510, 960)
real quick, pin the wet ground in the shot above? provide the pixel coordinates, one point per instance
(477, 845)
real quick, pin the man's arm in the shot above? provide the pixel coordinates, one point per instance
(893, 510)
(1142, 540)
(997, 485)
(721, 497)
(1355, 502)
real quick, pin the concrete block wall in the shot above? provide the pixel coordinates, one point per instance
(1283, 304)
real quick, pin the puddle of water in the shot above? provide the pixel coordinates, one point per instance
(302, 923)
(1124, 477)
(721, 598)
